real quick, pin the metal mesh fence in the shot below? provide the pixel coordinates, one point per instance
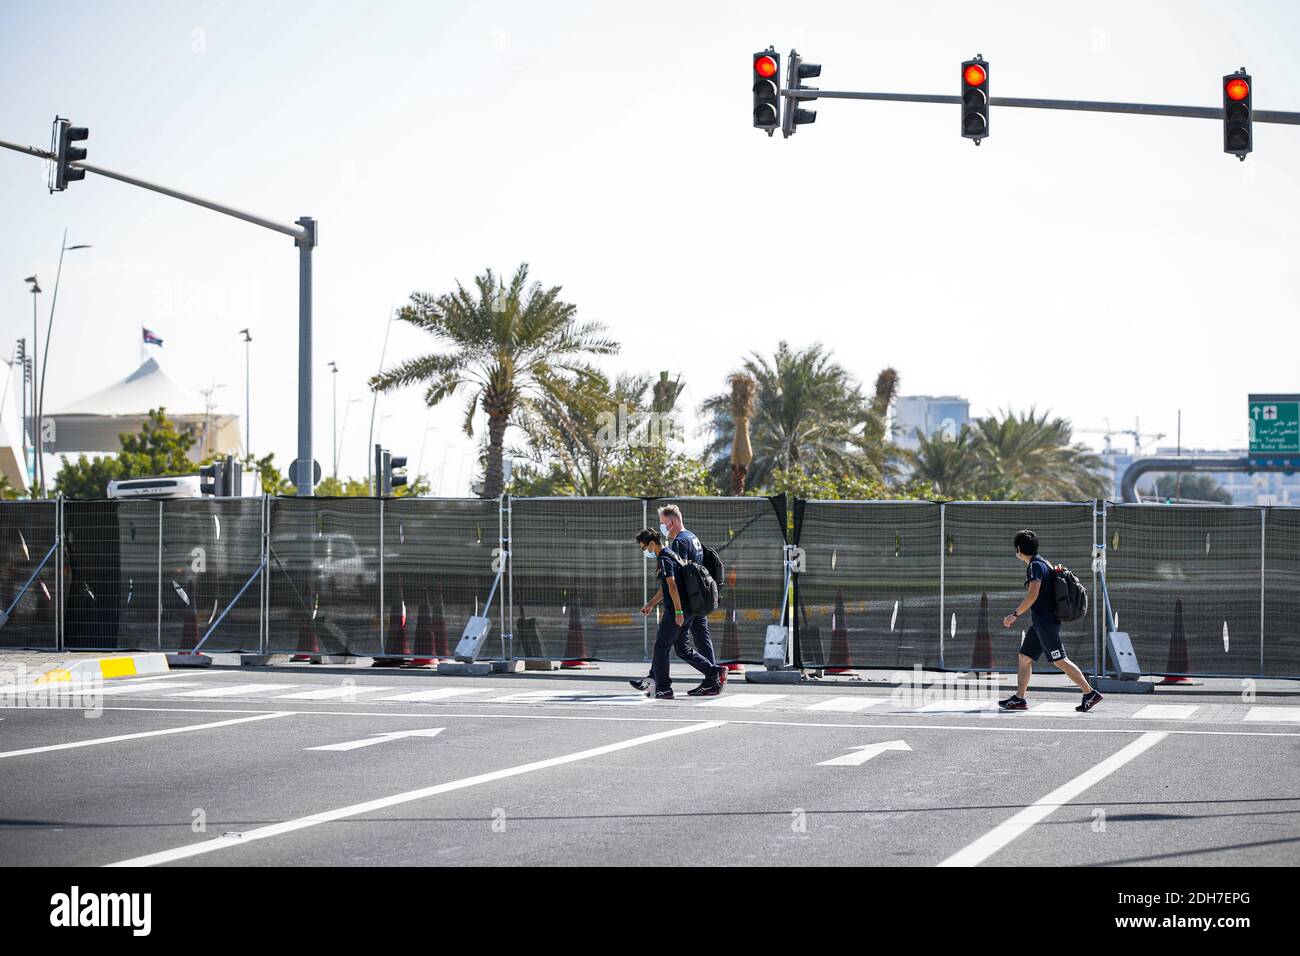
(111, 587)
(748, 537)
(578, 578)
(210, 548)
(437, 572)
(1185, 582)
(323, 576)
(869, 594)
(983, 580)
(1281, 649)
(27, 532)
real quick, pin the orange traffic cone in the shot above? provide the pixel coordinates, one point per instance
(839, 639)
(1177, 663)
(308, 643)
(730, 644)
(396, 636)
(981, 658)
(575, 647)
(423, 646)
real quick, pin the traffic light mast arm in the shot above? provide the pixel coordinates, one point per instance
(297, 232)
(1147, 109)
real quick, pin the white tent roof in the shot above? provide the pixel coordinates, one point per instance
(145, 388)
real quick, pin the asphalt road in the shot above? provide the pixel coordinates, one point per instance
(226, 768)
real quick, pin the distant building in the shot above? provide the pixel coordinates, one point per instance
(1261, 488)
(927, 414)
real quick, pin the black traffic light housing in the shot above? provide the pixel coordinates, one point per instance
(766, 77)
(222, 478)
(389, 471)
(794, 117)
(1238, 126)
(975, 99)
(64, 135)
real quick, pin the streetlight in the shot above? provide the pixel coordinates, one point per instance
(34, 471)
(248, 401)
(334, 380)
(347, 407)
(45, 355)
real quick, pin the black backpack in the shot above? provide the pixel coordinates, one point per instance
(713, 564)
(1070, 594)
(698, 590)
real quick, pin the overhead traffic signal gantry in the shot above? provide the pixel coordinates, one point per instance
(975, 99)
(797, 72)
(63, 136)
(766, 77)
(1238, 133)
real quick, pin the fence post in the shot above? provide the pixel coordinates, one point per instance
(1263, 544)
(160, 550)
(383, 607)
(510, 575)
(943, 552)
(1095, 593)
(502, 544)
(58, 576)
(263, 547)
(645, 589)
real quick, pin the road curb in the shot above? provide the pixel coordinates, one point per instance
(106, 668)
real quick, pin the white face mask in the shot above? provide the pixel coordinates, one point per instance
(663, 530)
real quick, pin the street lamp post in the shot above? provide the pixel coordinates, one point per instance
(35, 471)
(248, 395)
(334, 429)
(39, 411)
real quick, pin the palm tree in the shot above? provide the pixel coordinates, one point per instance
(808, 412)
(742, 410)
(515, 348)
(951, 463)
(1031, 457)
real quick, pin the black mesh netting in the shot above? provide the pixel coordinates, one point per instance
(747, 535)
(1282, 593)
(438, 556)
(1185, 583)
(869, 592)
(984, 580)
(27, 531)
(111, 588)
(324, 576)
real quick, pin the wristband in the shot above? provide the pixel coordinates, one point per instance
(679, 613)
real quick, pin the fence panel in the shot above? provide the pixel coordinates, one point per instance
(324, 576)
(111, 586)
(984, 581)
(869, 594)
(27, 531)
(210, 548)
(748, 537)
(579, 578)
(437, 572)
(1184, 576)
(1281, 647)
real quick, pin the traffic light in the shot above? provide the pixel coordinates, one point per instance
(794, 116)
(396, 472)
(767, 81)
(1237, 132)
(64, 135)
(389, 471)
(212, 478)
(975, 99)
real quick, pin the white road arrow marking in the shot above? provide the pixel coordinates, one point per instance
(861, 755)
(381, 739)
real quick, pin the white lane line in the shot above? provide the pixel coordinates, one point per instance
(958, 707)
(148, 733)
(1281, 714)
(382, 738)
(1004, 833)
(743, 700)
(349, 692)
(441, 693)
(1055, 708)
(115, 690)
(1166, 711)
(369, 806)
(234, 690)
(847, 705)
(567, 697)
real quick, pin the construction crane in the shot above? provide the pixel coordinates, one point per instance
(1135, 433)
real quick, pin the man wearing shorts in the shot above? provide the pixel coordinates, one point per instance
(1044, 635)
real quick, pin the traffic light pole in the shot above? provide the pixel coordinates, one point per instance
(1145, 109)
(304, 236)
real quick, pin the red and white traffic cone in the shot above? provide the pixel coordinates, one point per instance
(982, 656)
(839, 639)
(575, 646)
(1177, 663)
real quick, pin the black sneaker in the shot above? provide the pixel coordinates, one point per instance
(1090, 700)
(641, 683)
(1013, 703)
(706, 688)
(722, 676)
(663, 694)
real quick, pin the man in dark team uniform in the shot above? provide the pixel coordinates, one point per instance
(1044, 635)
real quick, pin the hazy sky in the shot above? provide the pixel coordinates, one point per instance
(1100, 266)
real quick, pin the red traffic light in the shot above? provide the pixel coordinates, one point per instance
(974, 75)
(765, 67)
(1237, 89)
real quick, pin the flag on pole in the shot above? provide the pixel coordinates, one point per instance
(150, 338)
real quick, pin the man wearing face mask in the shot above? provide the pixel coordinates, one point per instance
(687, 546)
(674, 627)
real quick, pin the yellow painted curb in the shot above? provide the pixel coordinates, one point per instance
(106, 668)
